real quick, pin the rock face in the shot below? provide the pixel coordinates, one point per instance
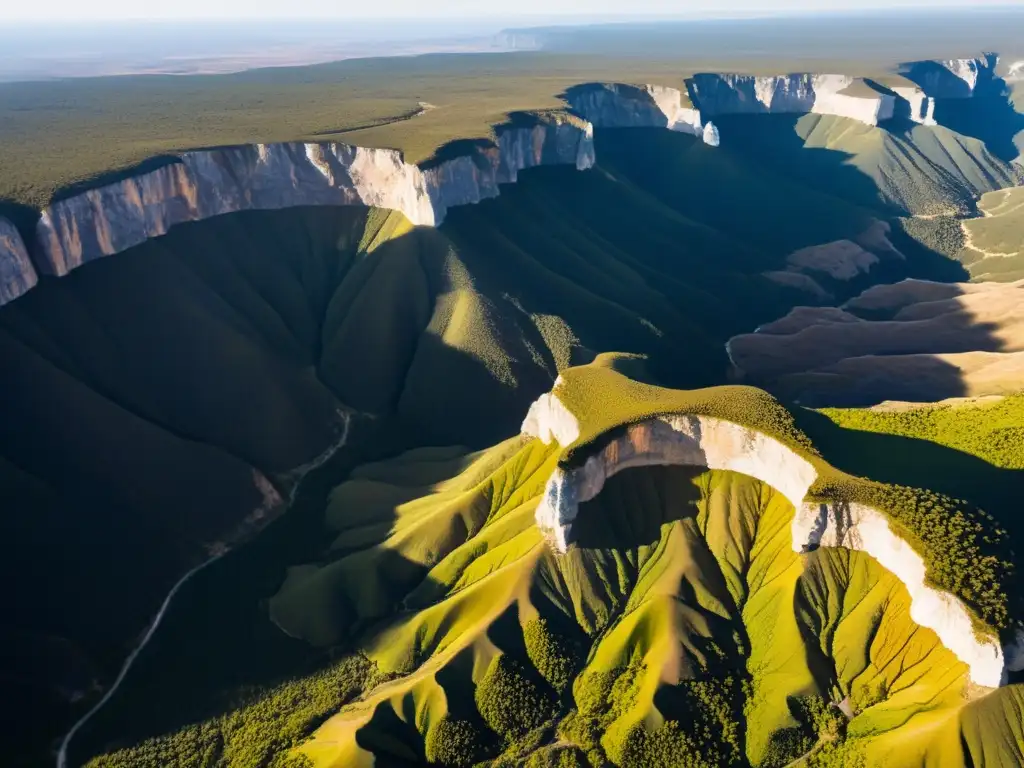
(913, 104)
(474, 177)
(691, 440)
(615, 105)
(861, 528)
(711, 135)
(112, 218)
(731, 94)
(17, 274)
(950, 78)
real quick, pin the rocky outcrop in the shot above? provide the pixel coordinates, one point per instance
(115, 217)
(841, 95)
(914, 105)
(864, 529)
(613, 105)
(202, 184)
(692, 440)
(950, 78)
(17, 274)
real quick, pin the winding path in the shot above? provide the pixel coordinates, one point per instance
(304, 470)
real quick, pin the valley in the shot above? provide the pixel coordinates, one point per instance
(560, 438)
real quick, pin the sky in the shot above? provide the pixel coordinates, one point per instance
(596, 10)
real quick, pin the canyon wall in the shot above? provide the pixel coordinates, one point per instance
(691, 440)
(864, 529)
(614, 105)
(17, 274)
(201, 184)
(950, 78)
(733, 94)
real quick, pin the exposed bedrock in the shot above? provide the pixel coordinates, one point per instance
(862, 528)
(202, 184)
(842, 95)
(614, 105)
(17, 275)
(950, 78)
(691, 440)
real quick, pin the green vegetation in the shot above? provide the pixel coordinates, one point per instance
(966, 551)
(680, 629)
(994, 243)
(259, 732)
(112, 124)
(991, 429)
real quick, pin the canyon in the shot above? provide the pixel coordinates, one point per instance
(199, 184)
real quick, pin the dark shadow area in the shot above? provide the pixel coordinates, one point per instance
(989, 116)
(23, 217)
(773, 141)
(919, 463)
(939, 81)
(634, 504)
(455, 149)
(112, 177)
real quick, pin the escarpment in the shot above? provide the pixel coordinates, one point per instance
(950, 78)
(202, 184)
(841, 95)
(703, 441)
(615, 105)
(17, 273)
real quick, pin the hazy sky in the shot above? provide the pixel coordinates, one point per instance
(66, 10)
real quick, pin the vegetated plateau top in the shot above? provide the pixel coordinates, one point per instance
(56, 134)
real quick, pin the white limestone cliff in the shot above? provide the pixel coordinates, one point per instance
(841, 95)
(950, 78)
(614, 105)
(17, 274)
(917, 106)
(864, 529)
(112, 218)
(691, 440)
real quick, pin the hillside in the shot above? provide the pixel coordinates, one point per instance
(500, 451)
(681, 627)
(198, 375)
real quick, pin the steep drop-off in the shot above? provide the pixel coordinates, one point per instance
(683, 625)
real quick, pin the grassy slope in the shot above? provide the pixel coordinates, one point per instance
(924, 170)
(994, 243)
(680, 627)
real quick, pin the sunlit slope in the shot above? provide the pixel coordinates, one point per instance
(679, 627)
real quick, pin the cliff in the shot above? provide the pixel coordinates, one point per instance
(732, 94)
(694, 440)
(17, 275)
(614, 105)
(201, 184)
(950, 78)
